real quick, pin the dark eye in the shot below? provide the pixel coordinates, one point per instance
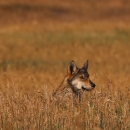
(88, 75)
(81, 77)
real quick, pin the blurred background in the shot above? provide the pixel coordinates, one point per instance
(38, 39)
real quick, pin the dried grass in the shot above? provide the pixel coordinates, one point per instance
(36, 45)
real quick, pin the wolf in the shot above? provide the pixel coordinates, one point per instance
(76, 81)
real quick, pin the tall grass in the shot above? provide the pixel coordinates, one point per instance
(105, 108)
(37, 41)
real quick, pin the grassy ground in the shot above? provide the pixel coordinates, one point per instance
(38, 40)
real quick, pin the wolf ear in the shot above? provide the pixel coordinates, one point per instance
(86, 65)
(72, 67)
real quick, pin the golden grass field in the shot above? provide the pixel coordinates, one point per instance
(39, 38)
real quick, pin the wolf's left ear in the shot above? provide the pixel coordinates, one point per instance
(86, 65)
(72, 67)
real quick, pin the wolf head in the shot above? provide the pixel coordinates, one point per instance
(79, 78)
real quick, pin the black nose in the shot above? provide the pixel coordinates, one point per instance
(93, 85)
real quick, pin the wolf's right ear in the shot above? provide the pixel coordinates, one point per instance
(72, 67)
(86, 65)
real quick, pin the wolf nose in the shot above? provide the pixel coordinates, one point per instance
(93, 85)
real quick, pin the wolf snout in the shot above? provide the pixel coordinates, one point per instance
(93, 85)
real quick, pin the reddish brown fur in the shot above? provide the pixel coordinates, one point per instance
(75, 82)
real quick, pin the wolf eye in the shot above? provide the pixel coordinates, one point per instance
(81, 77)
